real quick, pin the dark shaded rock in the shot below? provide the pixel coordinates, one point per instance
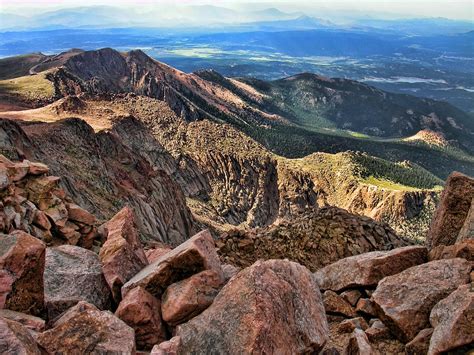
(73, 274)
(335, 304)
(420, 344)
(22, 260)
(366, 307)
(273, 306)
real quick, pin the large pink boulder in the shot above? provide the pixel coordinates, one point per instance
(196, 254)
(271, 307)
(452, 210)
(15, 339)
(122, 255)
(404, 301)
(141, 311)
(22, 259)
(368, 269)
(187, 298)
(85, 329)
(453, 321)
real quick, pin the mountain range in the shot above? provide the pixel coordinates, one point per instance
(242, 149)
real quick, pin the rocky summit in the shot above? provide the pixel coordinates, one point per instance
(144, 210)
(108, 291)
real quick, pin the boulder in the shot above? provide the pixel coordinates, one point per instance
(270, 307)
(196, 254)
(463, 249)
(119, 263)
(16, 339)
(335, 304)
(420, 344)
(366, 307)
(122, 255)
(85, 329)
(369, 268)
(404, 301)
(27, 320)
(453, 321)
(229, 271)
(359, 344)
(141, 311)
(79, 214)
(154, 254)
(36, 168)
(73, 274)
(452, 210)
(187, 298)
(22, 262)
(122, 225)
(377, 331)
(352, 296)
(170, 347)
(348, 325)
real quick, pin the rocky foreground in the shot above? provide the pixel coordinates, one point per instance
(71, 286)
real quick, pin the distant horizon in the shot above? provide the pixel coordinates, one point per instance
(343, 9)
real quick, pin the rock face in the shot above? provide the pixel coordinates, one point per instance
(22, 260)
(187, 298)
(102, 174)
(274, 307)
(15, 339)
(313, 239)
(73, 274)
(194, 255)
(369, 268)
(141, 311)
(453, 321)
(452, 211)
(85, 329)
(467, 231)
(122, 255)
(404, 300)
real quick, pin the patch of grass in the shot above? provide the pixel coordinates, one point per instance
(31, 87)
(387, 184)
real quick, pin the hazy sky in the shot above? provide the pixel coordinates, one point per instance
(456, 9)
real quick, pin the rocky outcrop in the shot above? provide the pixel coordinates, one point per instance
(313, 239)
(404, 300)
(22, 262)
(452, 211)
(84, 328)
(368, 269)
(101, 174)
(274, 306)
(452, 320)
(36, 204)
(73, 274)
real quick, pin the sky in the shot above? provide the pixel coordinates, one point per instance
(454, 9)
